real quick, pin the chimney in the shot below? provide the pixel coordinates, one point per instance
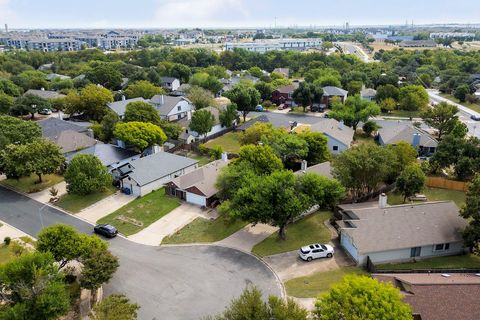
(224, 156)
(42, 88)
(382, 201)
(340, 124)
(304, 165)
(416, 140)
(123, 98)
(162, 100)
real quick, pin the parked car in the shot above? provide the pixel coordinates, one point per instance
(316, 251)
(45, 112)
(475, 118)
(106, 230)
(259, 108)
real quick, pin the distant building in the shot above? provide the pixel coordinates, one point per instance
(263, 45)
(44, 44)
(418, 44)
(330, 92)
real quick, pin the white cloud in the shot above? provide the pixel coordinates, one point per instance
(200, 13)
(6, 13)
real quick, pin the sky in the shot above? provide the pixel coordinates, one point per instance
(231, 13)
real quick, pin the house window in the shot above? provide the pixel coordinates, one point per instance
(441, 247)
(179, 108)
(335, 148)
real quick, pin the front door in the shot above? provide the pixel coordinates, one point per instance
(415, 252)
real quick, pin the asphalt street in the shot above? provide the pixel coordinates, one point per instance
(177, 282)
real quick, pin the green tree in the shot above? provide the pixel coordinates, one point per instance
(363, 168)
(44, 157)
(471, 211)
(200, 97)
(304, 95)
(172, 130)
(361, 297)
(141, 112)
(144, 89)
(245, 97)
(265, 89)
(288, 147)
(10, 88)
(254, 134)
(354, 110)
(441, 117)
(202, 122)
(206, 81)
(17, 131)
(106, 75)
(141, 135)
(98, 268)
(461, 92)
(6, 102)
(413, 98)
(321, 191)
(387, 105)
(86, 174)
(115, 307)
(91, 102)
(228, 116)
(251, 306)
(261, 159)
(317, 145)
(30, 79)
(255, 71)
(354, 87)
(29, 104)
(369, 127)
(13, 161)
(108, 123)
(411, 181)
(32, 288)
(387, 91)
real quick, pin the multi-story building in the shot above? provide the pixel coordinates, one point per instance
(44, 44)
(263, 46)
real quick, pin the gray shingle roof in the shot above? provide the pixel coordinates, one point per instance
(404, 226)
(119, 107)
(323, 169)
(396, 132)
(168, 104)
(334, 91)
(168, 79)
(45, 94)
(52, 127)
(157, 166)
(70, 141)
(368, 92)
(334, 129)
(108, 154)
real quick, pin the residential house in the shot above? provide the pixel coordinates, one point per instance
(143, 175)
(394, 132)
(283, 71)
(438, 296)
(45, 94)
(283, 95)
(53, 76)
(189, 136)
(182, 90)
(119, 107)
(111, 156)
(339, 136)
(368, 94)
(198, 186)
(170, 83)
(330, 93)
(228, 84)
(323, 169)
(386, 233)
(172, 108)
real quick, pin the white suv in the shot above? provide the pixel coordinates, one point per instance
(315, 251)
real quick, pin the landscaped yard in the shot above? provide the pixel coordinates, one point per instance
(141, 212)
(432, 194)
(473, 106)
(402, 114)
(30, 185)
(74, 202)
(303, 232)
(203, 230)
(5, 254)
(311, 286)
(464, 261)
(230, 142)
(361, 138)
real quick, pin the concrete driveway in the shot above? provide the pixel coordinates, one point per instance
(181, 282)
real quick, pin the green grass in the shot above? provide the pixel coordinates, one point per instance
(230, 142)
(402, 114)
(146, 209)
(473, 106)
(203, 231)
(30, 185)
(5, 254)
(315, 284)
(202, 160)
(432, 194)
(361, 138)
(28, 240)
(464, 261)
(303, 232)
(75, 203)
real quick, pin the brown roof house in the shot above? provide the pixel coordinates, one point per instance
(436, 296)
(198, 186)
(283, 95)
(402, 232)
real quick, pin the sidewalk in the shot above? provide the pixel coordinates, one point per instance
(168, 224)
(104, 207)
(246, 238)
(7, 230)
(44, 195)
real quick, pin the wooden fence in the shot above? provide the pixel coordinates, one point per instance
(443, 183)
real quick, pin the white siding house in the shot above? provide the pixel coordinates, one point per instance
(172, 108)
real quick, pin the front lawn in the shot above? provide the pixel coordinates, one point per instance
(402, 114)
(303, 232)
(29, 184)
(473, 106)
(317, 283)
(230, 142)
(141, 212)
(75, 203)
(452, 262)
(5, 254)
(432, 194)
(203, 231)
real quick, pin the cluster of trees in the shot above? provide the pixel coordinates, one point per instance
(356, 297)
(34, 285)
